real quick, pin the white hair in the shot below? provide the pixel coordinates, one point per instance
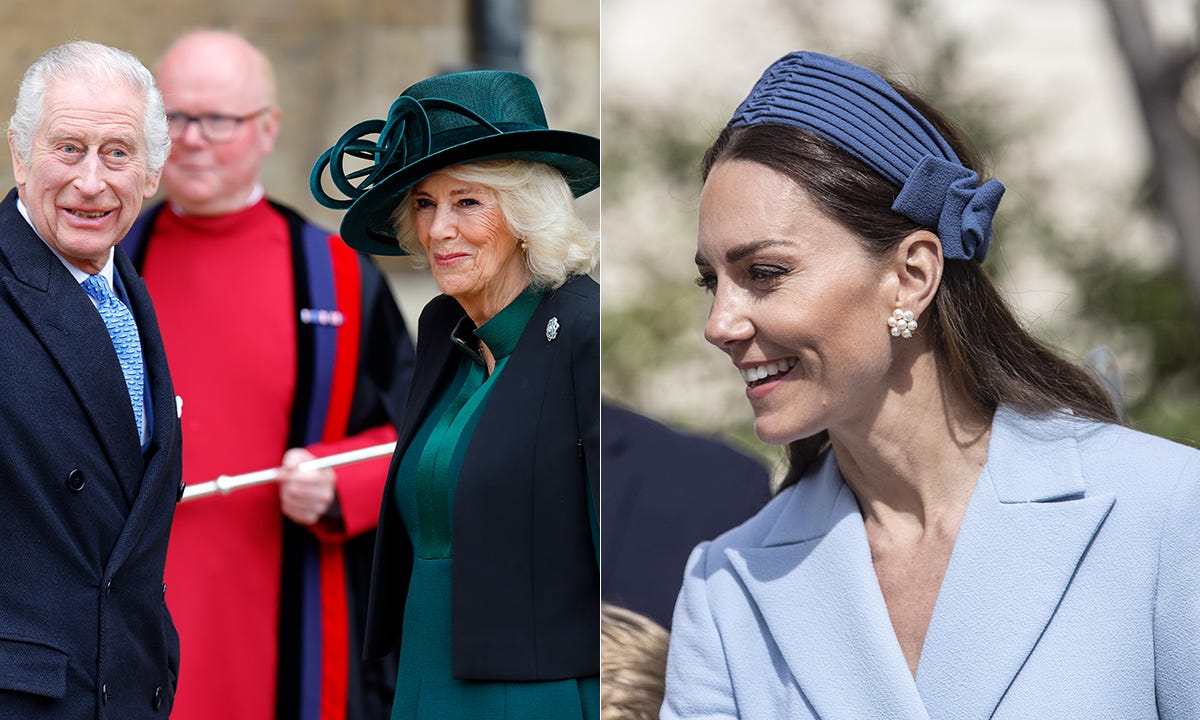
(538, 207)
(83, 60)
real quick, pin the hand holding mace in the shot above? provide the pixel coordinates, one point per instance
(228, 483)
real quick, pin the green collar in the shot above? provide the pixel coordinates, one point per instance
(502, 332)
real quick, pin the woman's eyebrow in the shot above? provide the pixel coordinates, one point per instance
(740, 251)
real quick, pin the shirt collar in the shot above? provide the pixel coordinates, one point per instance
(502, 332)
(258, 192)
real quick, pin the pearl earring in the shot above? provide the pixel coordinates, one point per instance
(524, 244)
(902, 323)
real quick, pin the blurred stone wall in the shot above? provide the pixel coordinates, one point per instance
(337, 61)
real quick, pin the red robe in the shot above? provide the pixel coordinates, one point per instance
(224, 291)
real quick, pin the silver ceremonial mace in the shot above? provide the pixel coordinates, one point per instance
(228, 483)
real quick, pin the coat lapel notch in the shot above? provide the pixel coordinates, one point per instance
(1026, 530)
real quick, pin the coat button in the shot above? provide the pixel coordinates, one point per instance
(158, 698)
(107, 588)
(179, 492)
(104, 694)
(75, 480)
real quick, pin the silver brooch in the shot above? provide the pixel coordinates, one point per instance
(552, 329)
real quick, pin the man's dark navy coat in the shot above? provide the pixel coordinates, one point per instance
(84, 510)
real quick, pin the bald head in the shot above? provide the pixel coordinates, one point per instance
(218, 57)
(211, 73)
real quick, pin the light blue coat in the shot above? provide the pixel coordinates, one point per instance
(1073, 591)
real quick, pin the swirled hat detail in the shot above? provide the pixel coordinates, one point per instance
(439, 122)
(858, 111)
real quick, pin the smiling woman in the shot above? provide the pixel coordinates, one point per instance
(964, 525)
(474, 256)
(795, 300)
(486, 565)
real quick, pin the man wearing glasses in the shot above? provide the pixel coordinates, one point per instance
(285, 345)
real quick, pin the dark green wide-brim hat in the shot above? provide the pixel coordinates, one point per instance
(443, 121)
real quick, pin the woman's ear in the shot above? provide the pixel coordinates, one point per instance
(918, 265)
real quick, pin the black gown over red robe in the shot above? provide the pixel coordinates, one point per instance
(278, 336)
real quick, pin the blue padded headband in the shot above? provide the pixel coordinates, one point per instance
(858, 111)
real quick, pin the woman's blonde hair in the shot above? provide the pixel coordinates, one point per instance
(538, 207)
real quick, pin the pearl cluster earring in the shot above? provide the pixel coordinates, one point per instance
(902, 323)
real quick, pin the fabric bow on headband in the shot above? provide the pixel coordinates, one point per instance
(857, 110)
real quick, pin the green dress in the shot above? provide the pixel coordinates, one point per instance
(425, 484)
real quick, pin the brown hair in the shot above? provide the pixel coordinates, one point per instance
(633, 664)
(988, 356)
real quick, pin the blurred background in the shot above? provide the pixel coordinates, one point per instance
(338, 62)
(1087, 110)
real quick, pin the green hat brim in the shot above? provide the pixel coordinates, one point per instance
(367, 225)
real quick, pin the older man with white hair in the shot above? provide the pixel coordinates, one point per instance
(89, 437)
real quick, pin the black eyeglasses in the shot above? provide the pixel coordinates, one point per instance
(215, 127)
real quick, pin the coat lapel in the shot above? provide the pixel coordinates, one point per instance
(1025, 532)
(433, 360)
(814, 583)
(158, 481)
(65, 321)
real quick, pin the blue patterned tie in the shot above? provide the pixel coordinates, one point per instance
(124, 333)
